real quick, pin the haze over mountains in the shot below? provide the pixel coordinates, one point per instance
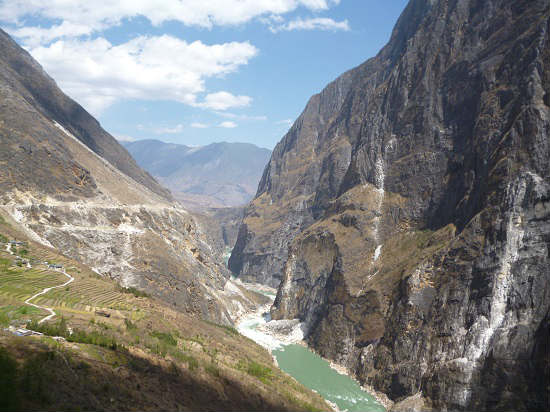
(216, 175)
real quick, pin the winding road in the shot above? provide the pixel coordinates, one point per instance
(46, 290)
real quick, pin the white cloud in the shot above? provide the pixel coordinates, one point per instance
(169, 130)
(229, 115)
(35, 36)
(228, 124)
(124, 138)
(99, 14)
(223, 101)
(198, 125)
(317, 23)
(97, 73)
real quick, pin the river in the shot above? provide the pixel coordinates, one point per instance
(283, 339)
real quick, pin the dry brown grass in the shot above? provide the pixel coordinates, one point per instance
(166, 360)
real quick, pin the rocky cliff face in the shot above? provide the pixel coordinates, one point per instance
(71, 186)
(406, 214)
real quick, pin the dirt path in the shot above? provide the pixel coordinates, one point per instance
(46, 290)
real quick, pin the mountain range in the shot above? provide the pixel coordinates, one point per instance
(216, 175)
(404, 221)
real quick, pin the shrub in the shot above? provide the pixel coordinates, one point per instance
(78, 336)
(257, 370)
(133, 291)
(23, 310)
(35, 376)
(130, 325)
(191, 362)
(157, 348)
(4, 319)
(231, 331)
(165, 338)
(212, 369)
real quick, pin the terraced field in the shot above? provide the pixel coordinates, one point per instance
(148, 343)
(82, 297)
(18, 284)
(84, 294)
(21, 283)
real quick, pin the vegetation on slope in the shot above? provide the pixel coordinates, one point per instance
(110, 348)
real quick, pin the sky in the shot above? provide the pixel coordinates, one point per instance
(198, 71)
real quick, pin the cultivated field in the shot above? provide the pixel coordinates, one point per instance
(143, 355)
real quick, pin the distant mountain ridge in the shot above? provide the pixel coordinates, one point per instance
(216, 175)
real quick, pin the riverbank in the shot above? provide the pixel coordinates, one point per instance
(380, 397)
(285, 341)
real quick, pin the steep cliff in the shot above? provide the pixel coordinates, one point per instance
(406, 214)
(71, 186)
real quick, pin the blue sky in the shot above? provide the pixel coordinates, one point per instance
(198, 71)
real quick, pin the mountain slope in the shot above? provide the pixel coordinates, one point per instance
(27, 79)
(216, 175)
(406, 213)
(71, 186)
(126, 351)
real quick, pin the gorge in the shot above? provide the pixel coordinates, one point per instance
(405, 216)
(395, 255)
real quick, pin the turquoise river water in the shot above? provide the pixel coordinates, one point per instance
(310, 369)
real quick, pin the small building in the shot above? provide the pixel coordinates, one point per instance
(23, 332)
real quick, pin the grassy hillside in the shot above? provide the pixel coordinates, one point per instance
(144, 356)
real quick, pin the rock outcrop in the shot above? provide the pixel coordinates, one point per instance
(71, 186)
(405, 216)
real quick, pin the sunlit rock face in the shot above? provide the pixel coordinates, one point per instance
(405, 217)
